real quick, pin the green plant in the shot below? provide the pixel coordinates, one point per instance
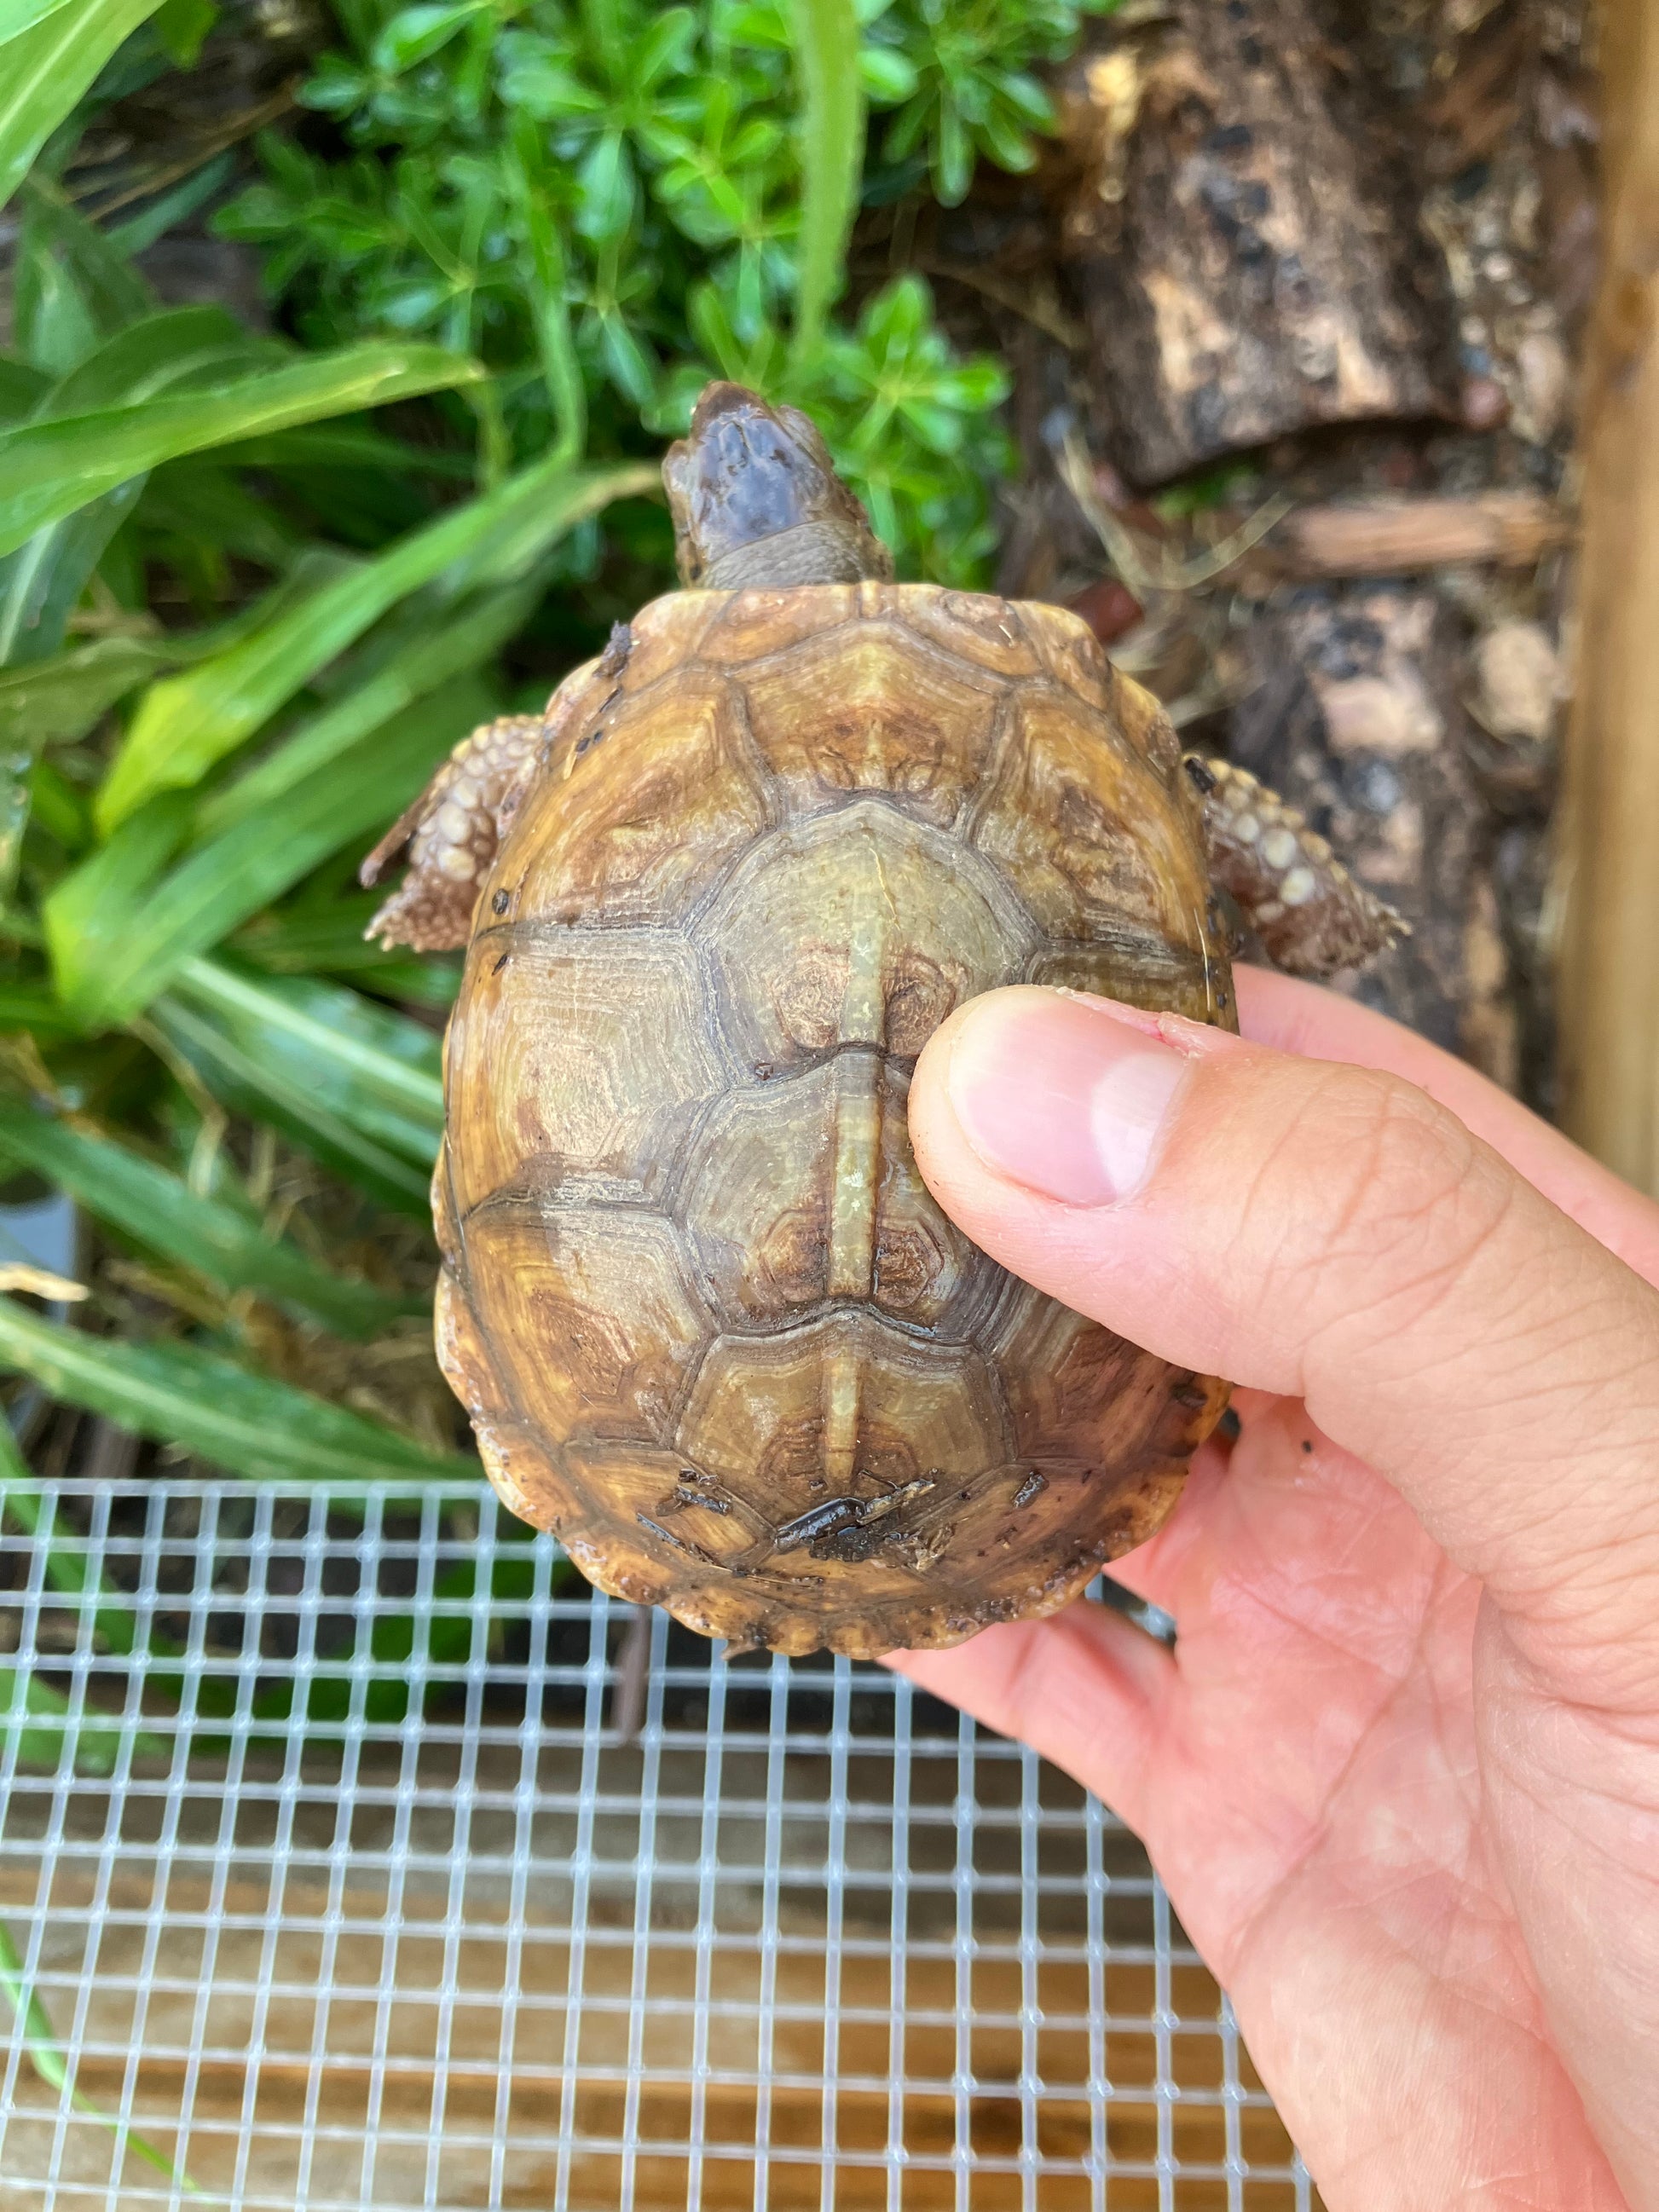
(609, 202)
(959, 76)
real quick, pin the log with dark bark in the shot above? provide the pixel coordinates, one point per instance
(1246, 262)
(1354, 720)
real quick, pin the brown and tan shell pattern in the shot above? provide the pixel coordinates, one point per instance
(710, 1326)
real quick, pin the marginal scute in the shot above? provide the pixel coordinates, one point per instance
(713, 1329)
(1072, 655)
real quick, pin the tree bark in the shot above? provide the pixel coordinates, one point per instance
(1608, 971)
(1245, 264)
(1355, 720)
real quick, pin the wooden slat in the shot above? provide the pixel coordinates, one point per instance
(1607, 1000)
(457, 2101)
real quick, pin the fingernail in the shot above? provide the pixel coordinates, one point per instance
(1053, 1093)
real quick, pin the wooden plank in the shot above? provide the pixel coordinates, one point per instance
(1607, 1000)
(200, 2021)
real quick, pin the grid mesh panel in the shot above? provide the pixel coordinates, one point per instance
(391, 1867)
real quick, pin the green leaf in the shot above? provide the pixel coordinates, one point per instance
(22, 388)
(178, 1394)
(155, 354)
(46, 64)
(327, 940)
(357, 1086)
(182, 26)
(96, 902)
(45, 703)
(170, 209)
(394, 1065)
(186, 723)
(42, 582)
(17, 16)
(109, 971)
(414, 35)
(826, 34)
(160, 1212)
(34, 1007)
(73, 286)
(47, 469)
(427, 666)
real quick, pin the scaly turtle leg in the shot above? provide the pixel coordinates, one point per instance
(450, 833)
(454, 828)
(1311, 916)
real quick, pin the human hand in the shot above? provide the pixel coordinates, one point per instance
(1400, 1774)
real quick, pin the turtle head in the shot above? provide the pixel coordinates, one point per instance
(756, 500)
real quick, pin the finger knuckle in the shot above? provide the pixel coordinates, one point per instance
(1383, 1201)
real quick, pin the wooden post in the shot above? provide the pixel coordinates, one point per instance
(1608, 970)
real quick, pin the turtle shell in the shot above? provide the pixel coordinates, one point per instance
(711, 1327)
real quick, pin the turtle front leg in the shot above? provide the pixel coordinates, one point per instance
(1311, 916)
(450, 833)
(454, 828)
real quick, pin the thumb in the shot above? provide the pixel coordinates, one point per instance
(1327, 1232)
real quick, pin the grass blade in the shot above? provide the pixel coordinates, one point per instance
(352, 1083)
(49, 701)
(110, 966)
(41, 582)
(160, 1212)
(311, 938)
(16, 15)
(49, 468)
(187, 723)
(96, 904)
(248, 1424)
(419, 669)
(237, 1064)
(46, 2056)
(46, 64)
(826, 41)
(394, 1062)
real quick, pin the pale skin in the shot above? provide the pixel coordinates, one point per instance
(1401, 1772)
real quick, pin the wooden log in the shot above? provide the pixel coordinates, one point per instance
(1608, 970)
(1355, 719)
(1247, 263)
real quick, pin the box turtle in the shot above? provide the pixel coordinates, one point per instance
(711, 1327)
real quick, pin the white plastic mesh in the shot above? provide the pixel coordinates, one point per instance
(417, 1874)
